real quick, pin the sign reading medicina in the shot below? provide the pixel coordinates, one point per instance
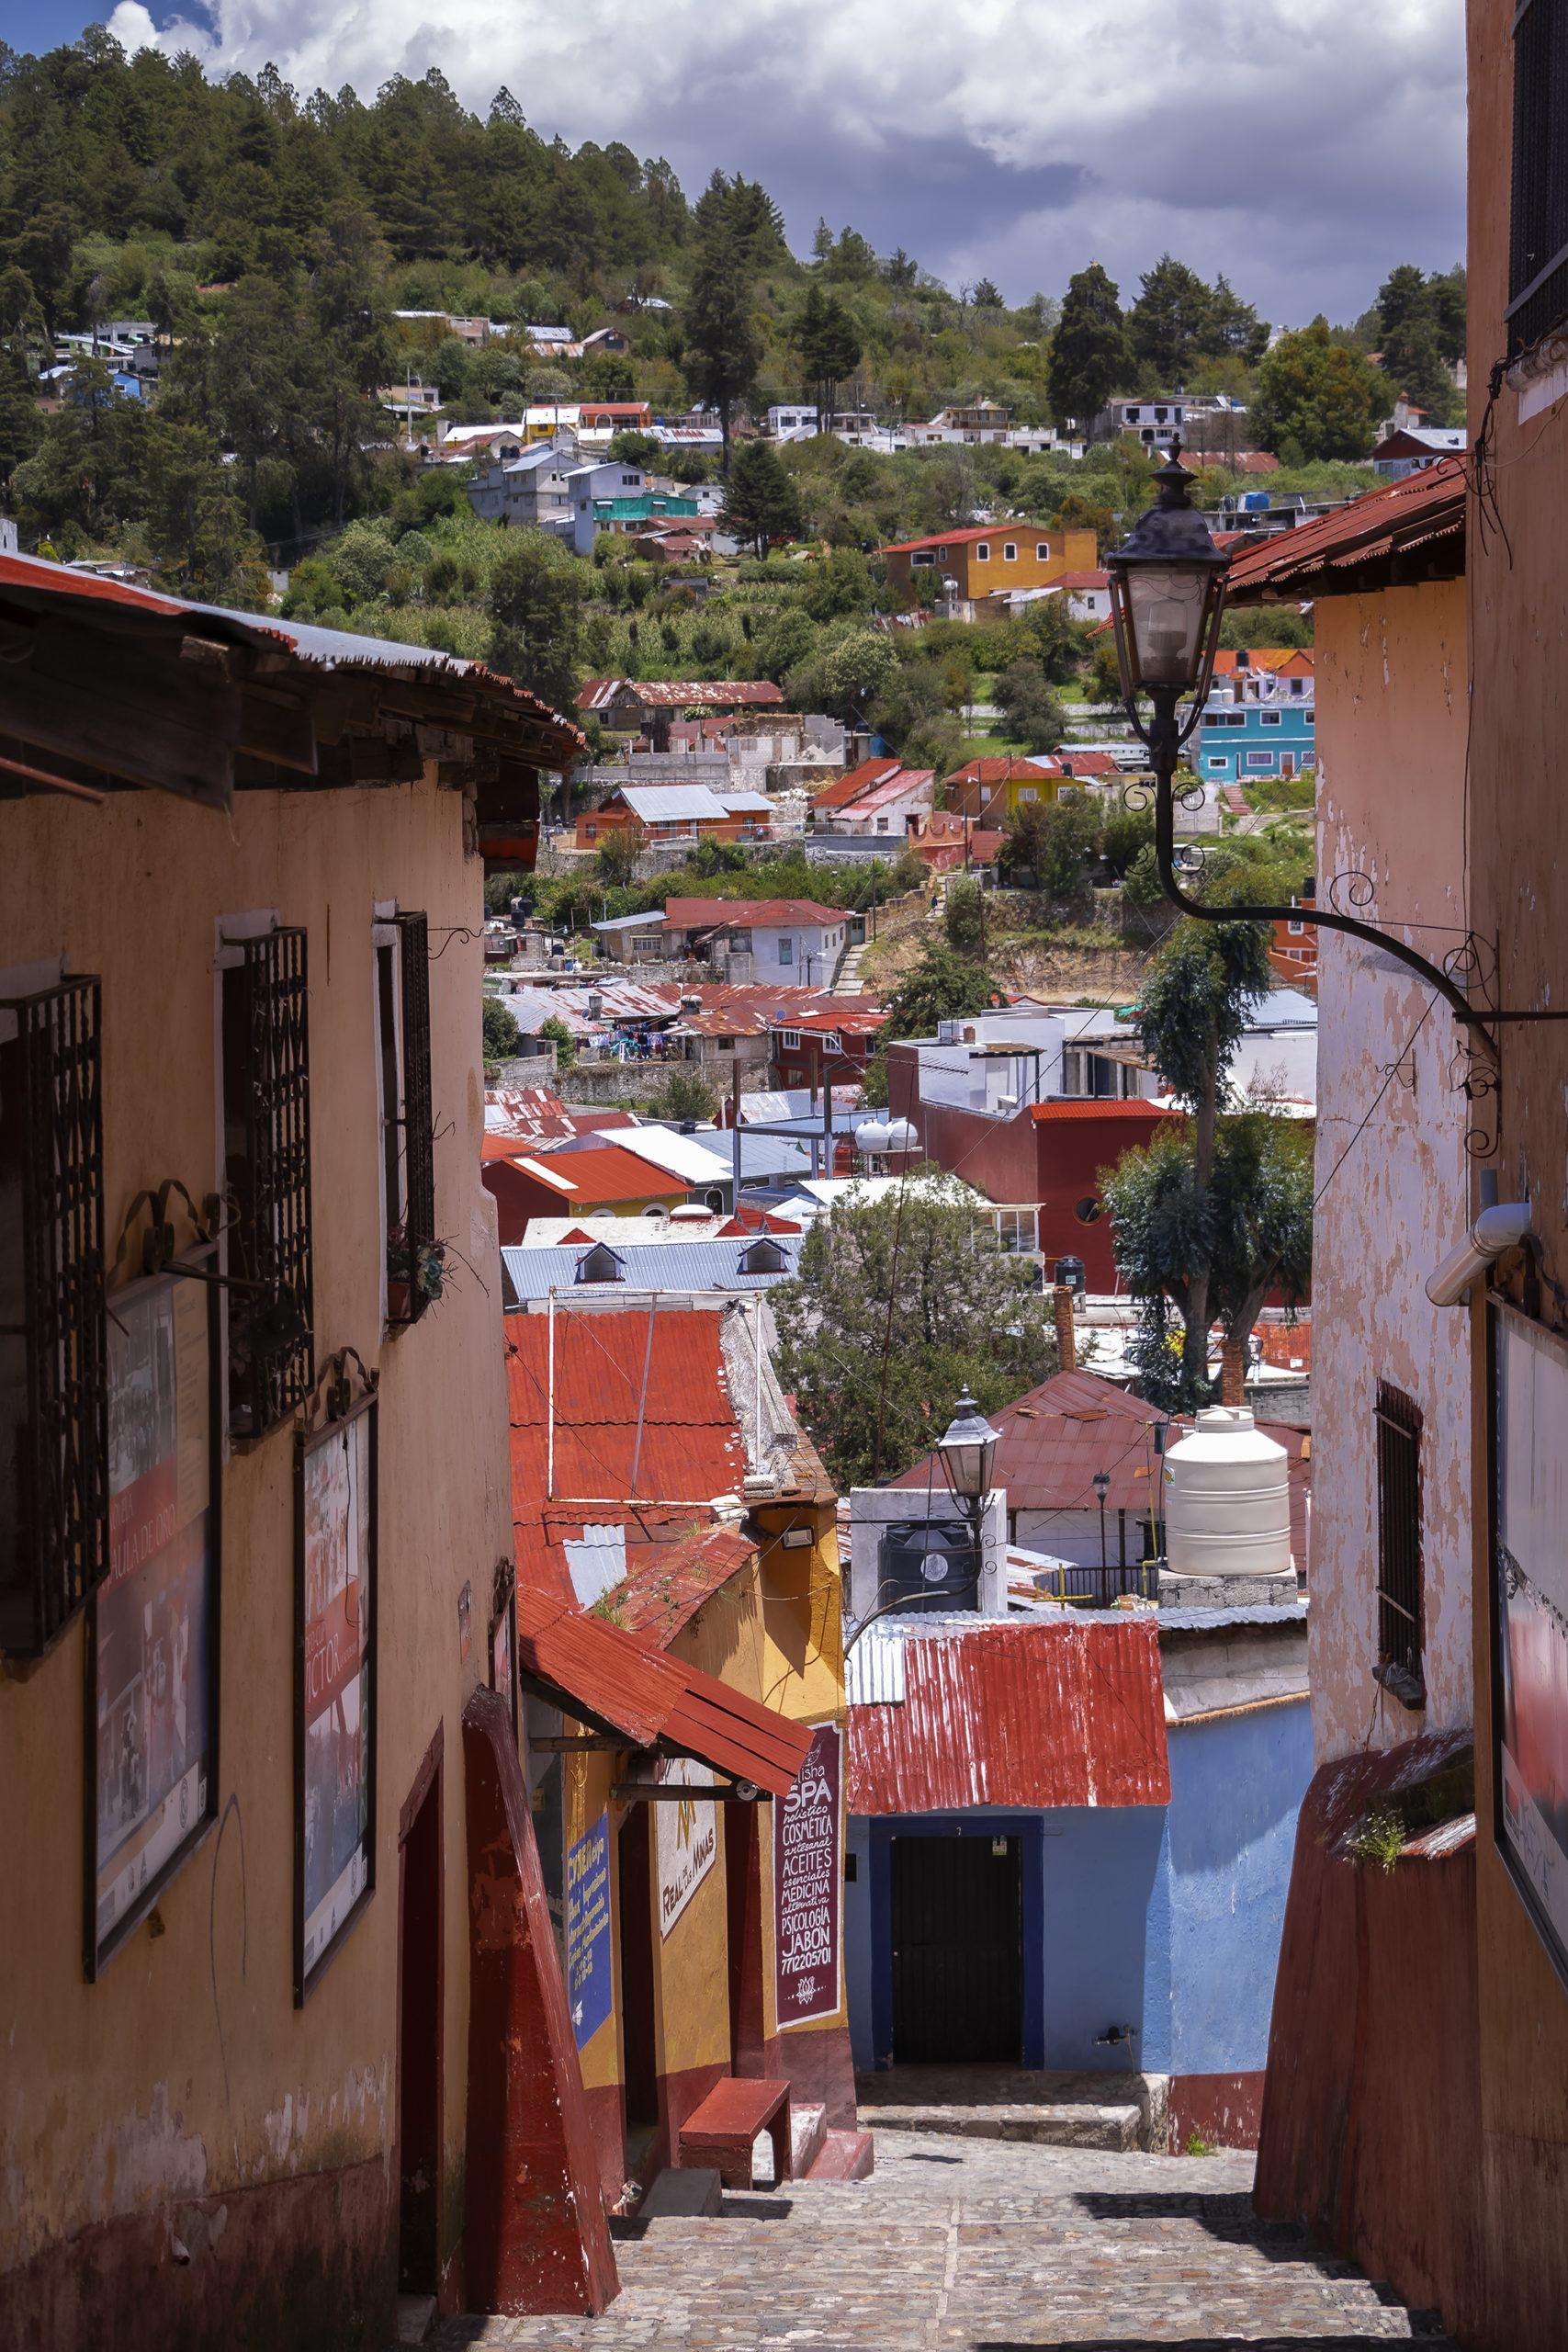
(688, 1839)
(809, 1872)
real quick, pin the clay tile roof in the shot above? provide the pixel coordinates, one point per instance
(1361, 545)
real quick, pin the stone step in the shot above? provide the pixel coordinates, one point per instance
(1055, 2110)
(844, 2155)
(682, 2193)
(808, 2132)
(416, 2317)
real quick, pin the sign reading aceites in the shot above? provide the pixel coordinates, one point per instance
(808, 1875)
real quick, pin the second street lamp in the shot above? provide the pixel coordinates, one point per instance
(967, 1449)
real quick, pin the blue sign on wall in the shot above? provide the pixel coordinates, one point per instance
(588, 1930)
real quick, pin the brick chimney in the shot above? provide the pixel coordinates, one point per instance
(1066, 1346)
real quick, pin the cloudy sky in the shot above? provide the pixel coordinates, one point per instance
(1303, 149)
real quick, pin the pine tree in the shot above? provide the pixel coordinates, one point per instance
(1167, 324)
(828, 343)
(762, 502)
(723, 349)
(1089, 359)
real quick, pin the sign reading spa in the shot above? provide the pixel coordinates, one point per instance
(808, 1871)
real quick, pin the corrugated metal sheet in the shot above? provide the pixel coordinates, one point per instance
(1425, 505)
(650, 1266)
(873, 1671)
(657, 1600)
(623, 1682)
(664, 804)
(1037, 1714)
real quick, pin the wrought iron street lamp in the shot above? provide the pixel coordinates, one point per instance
(1167, 594)
(1102, 1488)
(967, 1449)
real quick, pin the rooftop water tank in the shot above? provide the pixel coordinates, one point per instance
(1227, 1498)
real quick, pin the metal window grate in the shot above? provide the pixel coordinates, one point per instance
(1398, 1423)
(419, 1119)
(272, 1343)
(1538, 242)
(61, 1451)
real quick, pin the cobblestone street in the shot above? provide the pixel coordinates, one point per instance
(980, 2247)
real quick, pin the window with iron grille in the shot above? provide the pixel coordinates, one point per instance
(53, 1377)
(266, 1152)
(403, 997)
(1538, 241)
(1398, 1422)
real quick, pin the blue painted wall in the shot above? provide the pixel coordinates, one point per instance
(1235, 1789)
(1167, 1920)
(1249, 740)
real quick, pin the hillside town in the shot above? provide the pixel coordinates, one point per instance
(784, 1324)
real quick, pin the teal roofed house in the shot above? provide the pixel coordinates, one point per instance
(609, 497)
(1259, 722)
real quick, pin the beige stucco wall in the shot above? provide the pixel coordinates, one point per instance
(187, 2067)
(1392, 720)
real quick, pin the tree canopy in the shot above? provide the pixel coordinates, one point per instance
(961, 1314)
(1316, 398)
(762, 503)
(1089, 358)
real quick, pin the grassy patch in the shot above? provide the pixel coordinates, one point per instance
(1379, 1836)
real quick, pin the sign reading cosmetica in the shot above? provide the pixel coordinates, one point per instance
(688, 1839)
(809, 1873)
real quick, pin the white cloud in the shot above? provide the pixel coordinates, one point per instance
(1303, 149)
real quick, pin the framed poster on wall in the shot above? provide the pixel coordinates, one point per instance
(334, 1687)
(152, 1634)
(503, 1641)
(1530, 1616)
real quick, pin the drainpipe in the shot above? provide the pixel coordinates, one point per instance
(550, 1408)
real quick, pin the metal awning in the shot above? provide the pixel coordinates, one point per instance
(621, 1687)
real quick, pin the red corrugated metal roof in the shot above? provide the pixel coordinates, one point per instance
(1036, 1715)
(1425, 505)
(657, 1599)
(1000, 770)
(1111, 1110)
(606, 1173)
(584, 1662)
(691, 1449)
(717, 914)
(854, 782)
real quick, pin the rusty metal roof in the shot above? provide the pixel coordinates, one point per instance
(657, 1600)
(1368, 544)
(1056, 1438)
(1036, 1715)
(691, 1448)
(599, 1675)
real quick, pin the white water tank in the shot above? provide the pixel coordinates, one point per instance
(1227, 1498)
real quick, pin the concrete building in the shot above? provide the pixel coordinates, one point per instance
(989, 560)
(529, 486)
(257, 2076)
(1260, 719)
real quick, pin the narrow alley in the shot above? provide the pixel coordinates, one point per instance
(980, 2245)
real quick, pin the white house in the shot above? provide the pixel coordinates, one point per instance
(529, 486)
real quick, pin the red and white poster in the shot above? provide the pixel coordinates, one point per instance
(337, 1507)
(808, 1876)
(152, 1627)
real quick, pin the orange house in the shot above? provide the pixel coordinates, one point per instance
(991, 559)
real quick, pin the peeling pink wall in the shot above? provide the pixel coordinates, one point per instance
(1391, 712)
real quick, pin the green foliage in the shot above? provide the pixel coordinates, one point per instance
(555, 1032)
(941, 987)
(762, 503)
(684, 1095)
(723, 351)
(829, 344)
(1089, 358)
(1380, 1836)
(1035, 715)
(1055, 840)
(616, 857)
(1270, 625)
(1198, 998)
(536, 600)
(959, 1314)
(1125, 837)
(1422, 324)
(963, 919)
(1177, 323)
(1316, 397)
(501, 1035)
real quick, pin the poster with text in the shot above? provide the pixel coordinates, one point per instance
(338, 1504)
(588, 1930)
(688, 1839)
(808, 1871)
(1531, 1600)
(154, 1614)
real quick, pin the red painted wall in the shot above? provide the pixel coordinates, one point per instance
(1370, 2130)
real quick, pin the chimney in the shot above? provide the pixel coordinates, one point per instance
(1066, 1346)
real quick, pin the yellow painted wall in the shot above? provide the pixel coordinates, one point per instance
(187, 2068)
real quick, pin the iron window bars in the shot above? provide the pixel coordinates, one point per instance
(412, 1259)
(1537, 239)
(271, 1336)
(1398, 1424)
(53, 1378)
